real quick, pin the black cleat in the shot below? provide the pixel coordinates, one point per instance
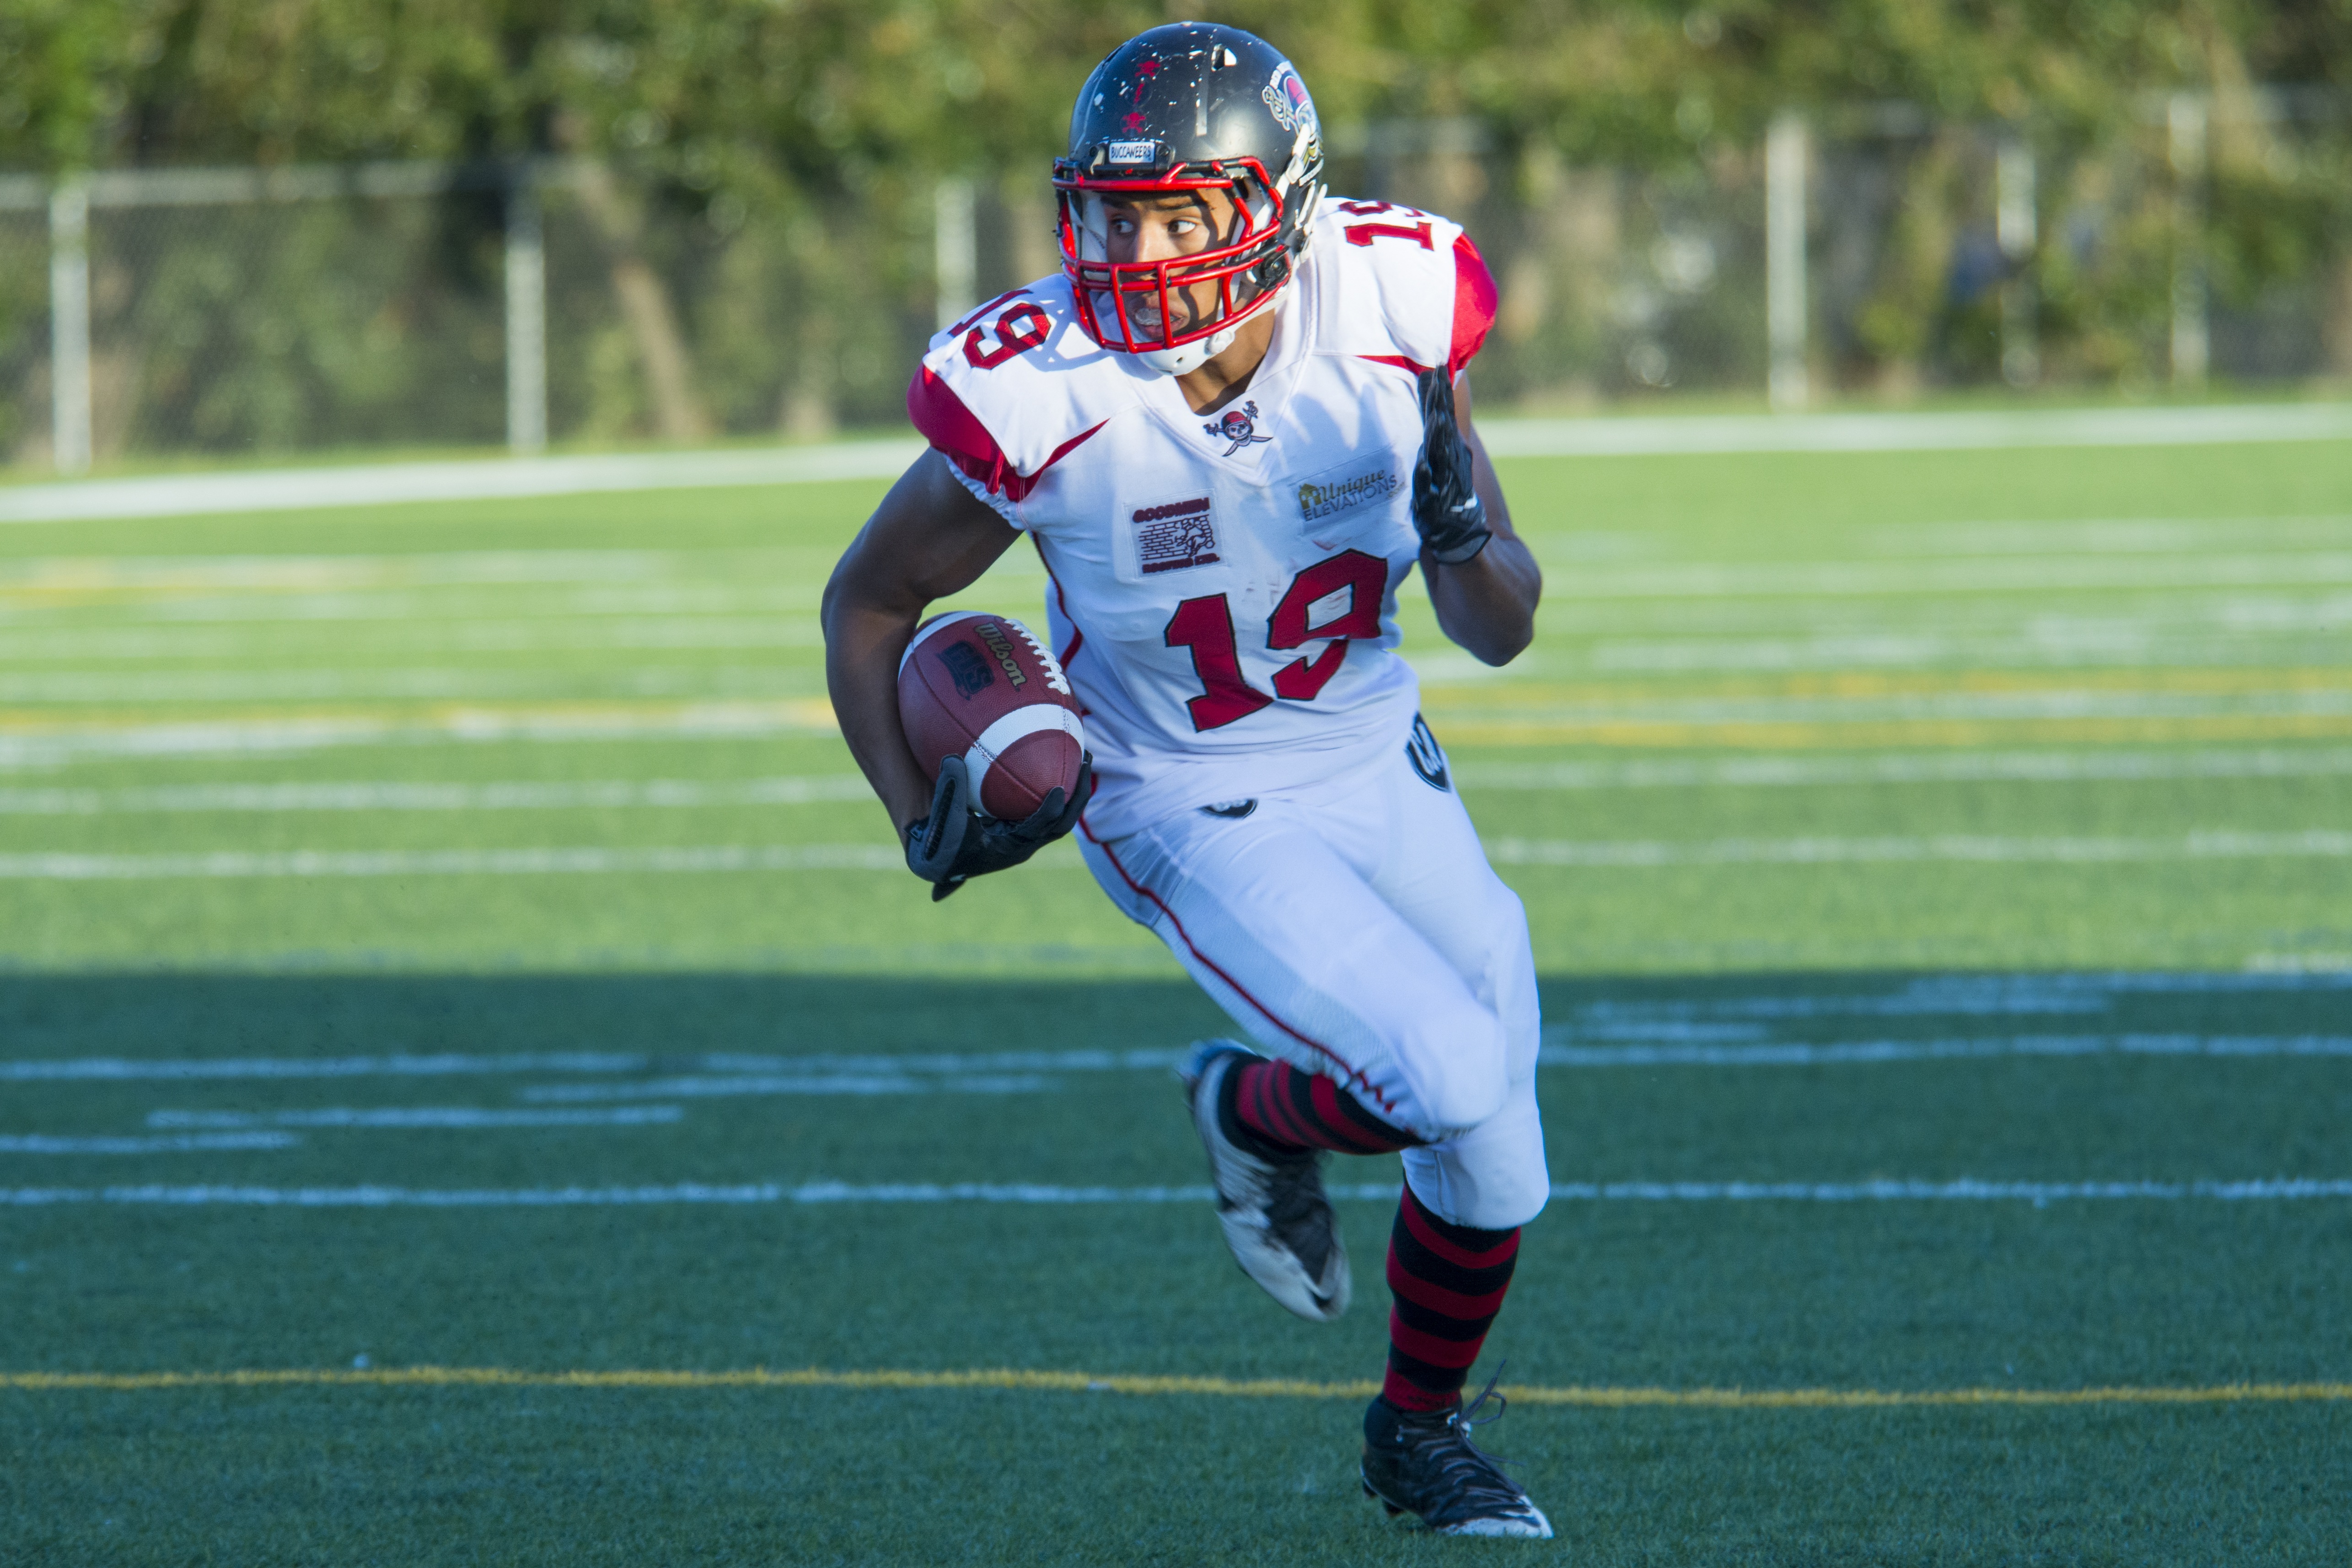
(1424, 1464)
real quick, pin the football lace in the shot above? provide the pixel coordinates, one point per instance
(1045, 660)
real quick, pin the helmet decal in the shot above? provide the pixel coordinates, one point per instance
(1144, 71)
(1285, 96)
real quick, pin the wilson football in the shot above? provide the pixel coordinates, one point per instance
(983, 688)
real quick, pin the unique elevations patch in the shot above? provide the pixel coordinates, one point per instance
(1175, 535)
(1345, 488)
(967, 669)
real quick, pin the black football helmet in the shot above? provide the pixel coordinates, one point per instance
(1192, 106)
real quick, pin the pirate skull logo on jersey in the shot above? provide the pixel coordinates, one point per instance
(1239, 425)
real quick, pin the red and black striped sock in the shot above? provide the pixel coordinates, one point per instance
(1448, 1280)
(1284, 1108)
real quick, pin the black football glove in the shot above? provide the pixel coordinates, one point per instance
(956, 843)
(1445, 507)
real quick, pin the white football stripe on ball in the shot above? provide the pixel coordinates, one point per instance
(932, 627)
(1033, 718)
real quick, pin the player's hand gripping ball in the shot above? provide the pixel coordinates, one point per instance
(992, 719)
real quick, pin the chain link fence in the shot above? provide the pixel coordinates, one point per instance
(23, 330)
(312, 309)
(312, 324)
(2199, 242)
(437, 305)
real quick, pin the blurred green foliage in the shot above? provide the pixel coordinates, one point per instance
(812, 95)
(779, 156)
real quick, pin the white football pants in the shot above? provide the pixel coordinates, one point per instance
(1354, 929)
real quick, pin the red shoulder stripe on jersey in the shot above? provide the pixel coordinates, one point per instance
(949, 426)
(1475, 298)
(1211, 964)
(964, 441)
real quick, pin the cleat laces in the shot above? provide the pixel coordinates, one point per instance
(1452, 1482)
(1475, 1476)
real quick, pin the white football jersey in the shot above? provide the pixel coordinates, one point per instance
(1223, 587)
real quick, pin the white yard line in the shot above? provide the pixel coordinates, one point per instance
(1570, 1046)
(172, 494)
(1970, 574)
(463, 1118)
(1518, 705)
(1915, 767)
(821, 1067)
(2210, 845)
(178, 495)
(129, 1070)
(1676, 436)
(2108, 535)
(1932, 652)
(856, 1084)
(176, 590)
(443, 634)
(290, 572)
(1944, 995)
(694, 573)
(383, 795)
(388, 684)
(182, 1143)
(1962, 1190)
(54, 745)
(1904, 767)
(44, 745)
(306, 863)
(2218, 844)
(1858, 1052)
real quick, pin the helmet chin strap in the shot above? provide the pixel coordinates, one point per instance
(1191, 357)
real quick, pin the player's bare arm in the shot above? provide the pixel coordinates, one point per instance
(1486, 604)
(928, 539)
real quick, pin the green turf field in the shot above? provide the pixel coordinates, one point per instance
(453, 937)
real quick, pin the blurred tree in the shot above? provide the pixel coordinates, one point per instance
(822, 93)
(798, 140)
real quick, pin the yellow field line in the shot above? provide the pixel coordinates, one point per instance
(1217, 1387)
(1506, 690)
(1797, 734)
(26, 723)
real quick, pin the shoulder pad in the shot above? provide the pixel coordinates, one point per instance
(1409, 287)
(1011, 388)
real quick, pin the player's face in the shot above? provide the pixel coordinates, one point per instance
(1163, 228)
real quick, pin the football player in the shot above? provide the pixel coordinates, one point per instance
(1231, 427)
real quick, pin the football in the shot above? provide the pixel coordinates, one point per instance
(984, 687)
